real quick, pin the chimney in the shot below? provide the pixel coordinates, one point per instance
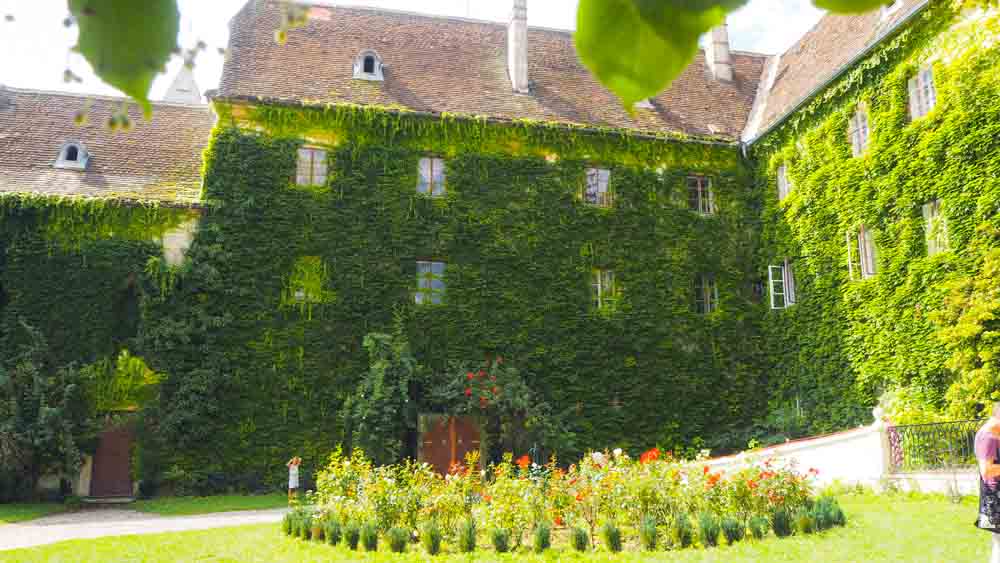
(517, 47)
(717, 55)
(184, 89)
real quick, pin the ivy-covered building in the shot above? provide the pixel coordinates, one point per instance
(757, 251)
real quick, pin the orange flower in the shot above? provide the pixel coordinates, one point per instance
(523, 462)
(558, 521)
(649, 456)
(705, 470)
(579, 497)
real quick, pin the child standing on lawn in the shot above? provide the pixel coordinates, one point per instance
(293, 477)
(988, 455)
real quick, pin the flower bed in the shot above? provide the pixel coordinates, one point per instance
(608, 500)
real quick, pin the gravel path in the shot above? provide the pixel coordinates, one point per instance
(100, 522)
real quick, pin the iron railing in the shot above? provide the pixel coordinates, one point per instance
(933, 447)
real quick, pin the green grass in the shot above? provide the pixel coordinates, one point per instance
(21, 512)
(186, 506)
(889, 529)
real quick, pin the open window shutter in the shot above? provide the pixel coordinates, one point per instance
(426, 174)
(851, 242)
(914, 89)
(775, 283)
(789, 284)
(929, 228)
(930, 97)
(870, 253)
(319, 167)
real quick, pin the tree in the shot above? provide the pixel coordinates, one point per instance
(634, 47)
(44, 418)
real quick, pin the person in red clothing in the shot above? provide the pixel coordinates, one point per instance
(988, 456)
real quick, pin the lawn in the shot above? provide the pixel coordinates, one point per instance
(20, 512)
(186, 506)
(890, 529)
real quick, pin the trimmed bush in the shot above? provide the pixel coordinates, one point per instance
(543, 537)
(649, 534)
(683, 531)
(431, 538)
(733, 530)
(286, 524)
(467, 536)
(839, 518)
(369, 537)
(804, 523)
(352, 535)
(759, 527)
(580, 539)
(305, 526)
(333, 532)
(708, 527)
(501, 540)
(398, 538)
(612, 536)
(781, 522)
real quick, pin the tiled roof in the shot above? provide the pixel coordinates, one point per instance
(440, 64)
(818, 56)
(157, 160)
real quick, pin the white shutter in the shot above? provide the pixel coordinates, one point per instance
(776, 282)
(426, 176)
(789, 279)
(850, 253)
(914, 88)
(319, 167)
(929, 95)
(867, 243)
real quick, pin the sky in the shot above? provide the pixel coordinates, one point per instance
(35, 47)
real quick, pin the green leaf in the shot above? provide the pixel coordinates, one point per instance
(637, 47)
(850, 6)
(127, 43)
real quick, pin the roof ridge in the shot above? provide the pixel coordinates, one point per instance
(393, 11)
(105, 97)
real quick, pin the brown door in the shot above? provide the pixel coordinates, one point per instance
(112, 475)
(447, 441)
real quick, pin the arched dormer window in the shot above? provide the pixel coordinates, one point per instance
(368, 66)
(72, 155)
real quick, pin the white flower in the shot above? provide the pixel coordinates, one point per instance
(618, 452)
(598, 458)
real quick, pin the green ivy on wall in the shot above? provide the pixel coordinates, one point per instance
(845, 342)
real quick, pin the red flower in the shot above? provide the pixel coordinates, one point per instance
(752, 484)
(468, 391)
(523, 462)
(705, 470)
(579, 497)
(558, 521)
(649, 456)
(482, 374)
(469, 376)
(494, 390)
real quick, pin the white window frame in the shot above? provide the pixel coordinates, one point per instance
(862, 253)
(605, 288)
(431, 177)
(923, 95)
(79, 163)
(428, 272)
(359, 67)
(784, 184)
(701, 197)
(781, 281)
(935, 228)
(859, 130)
(891, 8)
(706, 294)
(311, 167)
(596, 191)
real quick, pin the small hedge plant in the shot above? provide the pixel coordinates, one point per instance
(649, 534)
(398, 539)
(501, 540)
(352, 535)
(543, 537)
(580, 539)
(612, 536)
(431, 538)
(709, 528)
(369, 537)
(733, 530)
(467, 536)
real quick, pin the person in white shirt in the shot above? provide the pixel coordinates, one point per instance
(293, 478)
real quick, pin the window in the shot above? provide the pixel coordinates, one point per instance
(431, 181)
(430, 283)
(605, 292)
(706, 295)
(784, 185)
(700, 197)
(72, 156)
(922, 93)
(596, 192)
(858, 130)
(861, 255)
(311, 170)
(368, 66)
(935, 228)
(781, 280)
(890, 8)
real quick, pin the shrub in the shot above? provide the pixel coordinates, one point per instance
(317, 530)
(305, 526)
(804, 522)
(333, 532)
(501, 540)
(398, 538)
(683, 531)
(352, 535)
(838, 516)
(286, 524)
(781, 522)
(758, 527)
(369, 537)
(467, 536)
(827, 513)
(708, 526)
(543, 537)
(612, 536)
(431, 538)
(580, 539)
(733, 530)
(649, 534)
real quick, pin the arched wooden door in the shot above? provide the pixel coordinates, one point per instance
(446, 440)
(112, 474)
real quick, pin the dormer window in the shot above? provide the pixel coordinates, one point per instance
(368, 66)
(72, 156)
(891, 7)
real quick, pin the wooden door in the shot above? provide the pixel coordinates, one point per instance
(112, 474)
(447, 441)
